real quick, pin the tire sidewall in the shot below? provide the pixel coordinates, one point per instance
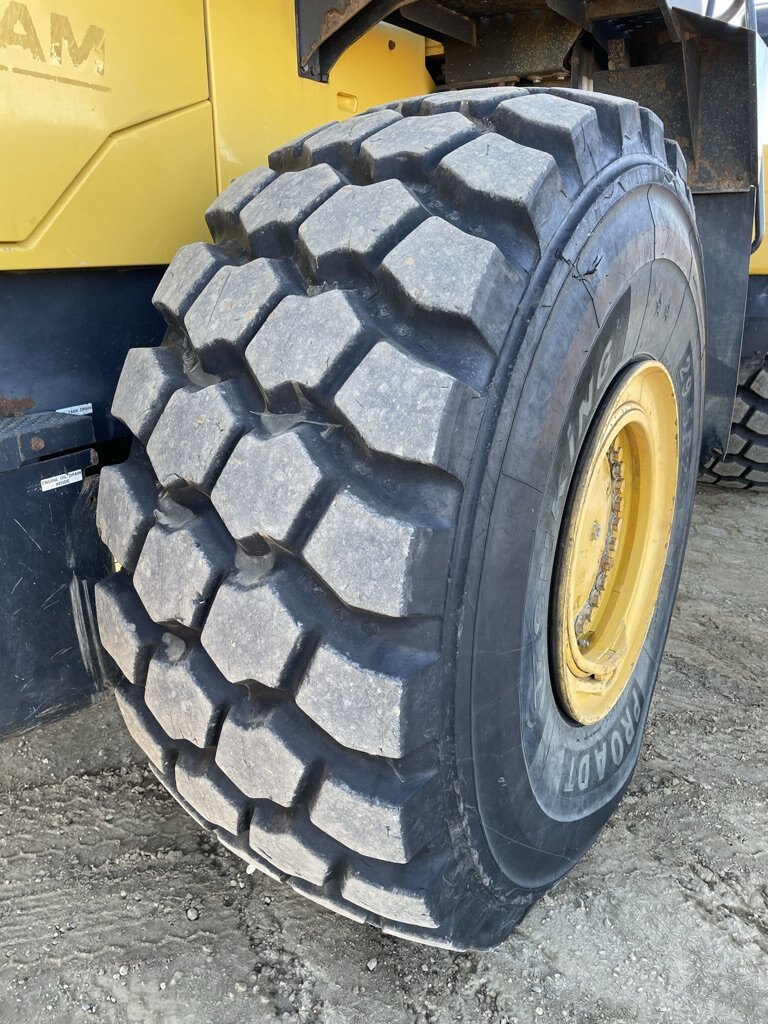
(536, 788)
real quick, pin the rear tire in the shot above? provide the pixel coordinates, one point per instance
(338, 526)
(745, 465)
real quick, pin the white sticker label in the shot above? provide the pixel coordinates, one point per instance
(52, 482)
(78, 410)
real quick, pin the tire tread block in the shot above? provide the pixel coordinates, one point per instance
(746, 462)
(266, 486)
(385, 818)
(125, 510)
(475, 103)
(288, 157)
(143, 728)
(265, 752)
(250, 634)
(339, 144)
(383, 893)
(411, 147)
(222, 216)
(375, 561)
(196, 433)
(348, 236)
(619, 121)
(385, 714)
(441, 270)
(290, 842)
(185, 693)
(305, 341)
(211, 793)
(513, 189)
(127, 633)
(402, 407)
(231, 308)
(269, 222)
(567, 130)
(188, 272)
(148, 379)
(171, 596)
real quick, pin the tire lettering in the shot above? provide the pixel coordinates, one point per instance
(685, 376)
(629, 726)
(600, 757)
(686, 420)
(592, 765)
(637, 704)
(586, 408)
(568, 787)
(617, 747)
(602, 370)
(584, 771)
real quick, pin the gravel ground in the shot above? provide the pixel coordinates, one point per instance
(116, 906)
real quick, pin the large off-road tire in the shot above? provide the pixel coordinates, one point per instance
(746, 462)
(338, 529)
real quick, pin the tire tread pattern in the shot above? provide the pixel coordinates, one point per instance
(745, 465)
(249, 715)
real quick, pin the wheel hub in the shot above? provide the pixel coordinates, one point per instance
(614, 541)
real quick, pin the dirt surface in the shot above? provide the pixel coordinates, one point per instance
(116, 906)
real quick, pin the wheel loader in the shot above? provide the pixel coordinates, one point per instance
(367, 492)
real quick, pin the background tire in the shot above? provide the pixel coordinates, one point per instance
(746, 463)
(337, 528)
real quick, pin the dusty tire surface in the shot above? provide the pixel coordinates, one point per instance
(313, 529)
(745, 465)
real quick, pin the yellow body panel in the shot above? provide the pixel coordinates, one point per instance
(759, 262)
(261, 102)
(120, 121)
(134, 203)
(119, 64)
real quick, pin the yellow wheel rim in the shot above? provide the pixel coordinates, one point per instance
(614, 542)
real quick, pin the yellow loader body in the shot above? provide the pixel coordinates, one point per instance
(121, 122)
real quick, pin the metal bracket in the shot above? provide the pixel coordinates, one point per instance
(39, 435)
(325, 30)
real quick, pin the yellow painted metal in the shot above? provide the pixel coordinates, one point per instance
(72, 75)
(120, 121)
(140, 197)
(614, 542)
(759, 262)
(260, 101)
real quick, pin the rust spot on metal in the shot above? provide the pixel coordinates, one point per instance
(335, 17)
(14, 406)
(37, 444)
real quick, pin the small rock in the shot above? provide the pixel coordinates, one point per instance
(122, 970)
(193, 913)
(372, 964)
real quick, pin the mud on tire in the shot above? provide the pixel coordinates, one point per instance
(300, 527)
